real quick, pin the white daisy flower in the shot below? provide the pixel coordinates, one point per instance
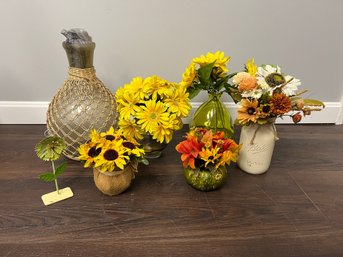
(291, 87)
(256, 93)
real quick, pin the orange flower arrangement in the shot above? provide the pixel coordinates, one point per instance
(265, 93)
(207, 151)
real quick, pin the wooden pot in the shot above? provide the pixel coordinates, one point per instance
(116, 182)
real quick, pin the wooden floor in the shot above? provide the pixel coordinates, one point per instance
(295, 209)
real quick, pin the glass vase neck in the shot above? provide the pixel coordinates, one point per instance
(214, 94)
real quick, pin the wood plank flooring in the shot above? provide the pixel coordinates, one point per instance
(295, 209)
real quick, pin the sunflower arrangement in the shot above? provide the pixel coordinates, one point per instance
(265, 93)
(151, 106)
(205, 150)
(208, 73)
(109, 151)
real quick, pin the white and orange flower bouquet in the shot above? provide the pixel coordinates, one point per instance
(264, 93)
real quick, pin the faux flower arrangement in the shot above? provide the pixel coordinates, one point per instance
(206, 150)
(208, 73)
(110, 151)
(265, 93)
(151, 106)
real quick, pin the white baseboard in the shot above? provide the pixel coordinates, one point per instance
(17, 112)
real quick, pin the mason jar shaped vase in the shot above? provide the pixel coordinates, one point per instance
(257, 148)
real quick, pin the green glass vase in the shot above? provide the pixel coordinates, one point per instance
(213, 115)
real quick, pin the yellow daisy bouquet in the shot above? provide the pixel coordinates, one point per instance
(265, 93)
(207, 72)
(151, 106)
(110, 151)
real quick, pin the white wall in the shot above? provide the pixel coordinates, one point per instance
(145, 37)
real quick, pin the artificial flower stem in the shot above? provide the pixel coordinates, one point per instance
(53, 170)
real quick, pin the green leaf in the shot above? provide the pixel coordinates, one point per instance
(47, 177)
(193, 91)
(233, 92)
(60, 169)
(205, 75)
(231, 75)
(313, 102)
(143, 160)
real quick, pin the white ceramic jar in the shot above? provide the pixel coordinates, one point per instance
(257, 148)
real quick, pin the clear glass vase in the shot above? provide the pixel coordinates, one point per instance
(152, 148)
(83, 103)
(213, 115)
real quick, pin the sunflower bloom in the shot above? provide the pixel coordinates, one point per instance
(110, 134)
(88, 152)
(132, 148)
(111, 157)
(209, 155)
(247, 111)
(264, 111)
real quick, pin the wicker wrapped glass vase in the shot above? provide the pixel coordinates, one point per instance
(83, 102)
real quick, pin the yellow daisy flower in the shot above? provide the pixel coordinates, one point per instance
(119, 95)
(189, 75)
(163, 132)
(130, 130)
(137, 88)
(219, 57)
(156, 86)
(127, 104)
(112, 156)
(177, 101)
(151, 115)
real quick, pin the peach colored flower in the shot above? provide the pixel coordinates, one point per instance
(245, 81)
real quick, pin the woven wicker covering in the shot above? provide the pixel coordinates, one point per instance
(82, 103)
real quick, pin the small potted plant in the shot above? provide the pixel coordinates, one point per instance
(204, 155)
(114, 159)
